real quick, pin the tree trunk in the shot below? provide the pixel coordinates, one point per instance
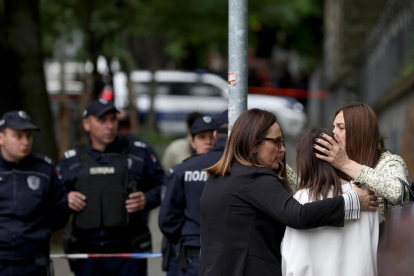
(8, 99)
(64, 112)
(148, 51)
(25, 71)
(151, 123)
(111, 75)
(127, 65)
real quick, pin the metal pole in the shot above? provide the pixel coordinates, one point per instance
(237, 59)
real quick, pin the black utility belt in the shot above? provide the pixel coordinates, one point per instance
(192, 252)
(185, 253)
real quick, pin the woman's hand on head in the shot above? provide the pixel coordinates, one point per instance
(367, 199)
(334, 152)
(333, 149)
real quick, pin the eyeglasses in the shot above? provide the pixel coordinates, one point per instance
(278, 141)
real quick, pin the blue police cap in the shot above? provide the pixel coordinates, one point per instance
(223, 118)
(203, 124)
(19, 120)
(99, 107)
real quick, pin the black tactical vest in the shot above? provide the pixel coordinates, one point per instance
(105, 188)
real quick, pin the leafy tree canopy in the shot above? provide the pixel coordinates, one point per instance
(183, 23)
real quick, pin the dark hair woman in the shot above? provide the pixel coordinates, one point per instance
(245, 206)
(351, 250)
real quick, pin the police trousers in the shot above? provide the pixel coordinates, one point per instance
(25, 267)
(188, 260)
(192, 267)
(111, 267)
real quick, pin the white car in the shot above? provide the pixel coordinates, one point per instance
(179, 93)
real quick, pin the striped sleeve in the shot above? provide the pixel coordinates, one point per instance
(352, 206)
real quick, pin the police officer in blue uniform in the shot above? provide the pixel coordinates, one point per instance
(179, 217)
(33, 202)
(201, 141)
(112, 182)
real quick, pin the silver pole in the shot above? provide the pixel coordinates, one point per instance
(237, 59)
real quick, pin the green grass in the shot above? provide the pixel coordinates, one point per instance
(157, 140)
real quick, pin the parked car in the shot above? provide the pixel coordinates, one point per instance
(178, 93)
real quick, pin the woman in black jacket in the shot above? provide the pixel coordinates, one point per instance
(246, 205)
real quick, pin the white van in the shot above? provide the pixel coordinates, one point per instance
(179, 93)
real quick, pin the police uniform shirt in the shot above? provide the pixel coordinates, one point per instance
(179, 217)
(143, 168)
(141, 142)
(169, 176)
(33, 202)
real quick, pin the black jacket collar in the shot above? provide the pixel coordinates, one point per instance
(115, 146)
(12, 165)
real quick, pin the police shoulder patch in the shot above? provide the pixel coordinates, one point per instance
(48, 160)
(70, 153)
(140, 144)
(43, 158)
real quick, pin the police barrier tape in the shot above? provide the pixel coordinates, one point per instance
(290, 92)
(114, 255)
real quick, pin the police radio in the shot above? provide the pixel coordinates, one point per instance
(133, 186)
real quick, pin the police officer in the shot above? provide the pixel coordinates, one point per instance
(179, 217)
(201, 140)
(112, 182)
(33, 202)
(180, 149)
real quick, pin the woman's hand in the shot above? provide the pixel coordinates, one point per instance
(336, 155)
(280, 169)
(367, 199)
(333, 149)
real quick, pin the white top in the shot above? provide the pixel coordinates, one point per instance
(328, 251)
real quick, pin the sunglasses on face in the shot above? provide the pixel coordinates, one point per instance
(278, 141)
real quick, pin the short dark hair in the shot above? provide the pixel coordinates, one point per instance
(192, 117)
(124, 122)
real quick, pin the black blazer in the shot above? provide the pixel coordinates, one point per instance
(243, 220)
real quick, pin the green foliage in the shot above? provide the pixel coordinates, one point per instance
(184, 23)
(406, 70)
(283, 13)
